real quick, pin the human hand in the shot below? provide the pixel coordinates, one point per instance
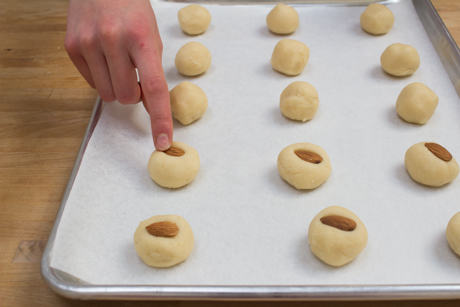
(107, 40)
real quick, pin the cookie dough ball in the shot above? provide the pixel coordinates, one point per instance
(290, 57)
(416, 103)
(453, 233)
(188, 102)
(304, 165)
(163, 240)
(430, 164)
(299, 101)
(377, 19)
(283, 19)
(194, 19)
(174, 167)
(336, 236)
(193, 59)
(400, 60)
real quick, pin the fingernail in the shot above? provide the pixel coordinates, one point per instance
(163, 142)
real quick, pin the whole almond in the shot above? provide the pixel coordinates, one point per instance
(308, 156)
(174, 151)
(339, 222)
(439, 151)
(163, 229)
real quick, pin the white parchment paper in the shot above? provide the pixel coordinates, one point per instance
(250, 226)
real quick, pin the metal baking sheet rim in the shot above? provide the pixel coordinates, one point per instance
(71, 287)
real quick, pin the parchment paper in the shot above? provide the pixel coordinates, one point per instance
(250, 226)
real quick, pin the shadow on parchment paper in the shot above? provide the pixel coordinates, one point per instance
(277, 183)
(356, 28)
(265, 32)
(394, 118)
(377, 72)
(309, 261)
(174, 77)
(175, 31)
(278, 118)
(267, 70)
(397, 120)
(404, 177)
(444, 254)
(124, 116)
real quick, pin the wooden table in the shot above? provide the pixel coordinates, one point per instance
(45, 106)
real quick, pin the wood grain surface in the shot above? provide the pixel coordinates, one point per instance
(45, 106)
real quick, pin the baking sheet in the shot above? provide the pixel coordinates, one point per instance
(250, 226)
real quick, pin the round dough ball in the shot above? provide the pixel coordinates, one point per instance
(283, 19)
(174, 167)
(336, 236)
(453, 233)
(304, 165)
(416, 103)
(158, 250)
(290, 57)
(194, 19)
(430, 164)
(400, 60)
(377, 19)
(299, 101)
(193, 59)
(188, 102)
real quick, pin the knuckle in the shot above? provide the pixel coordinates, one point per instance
(107, 95)
(87, 40)
(138, 33)
(139, 27)
(155, 84)
(109, 34)
(161, 121)
(127, 97)
(70, 44)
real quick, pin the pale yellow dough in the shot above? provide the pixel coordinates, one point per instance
(174, 172)
(290, 57)
(377, 19)
(188, 102)
(400, 60)
(194, 19)
(193, 59)
(416, 103)
(453, 233)
(424, 167)
(334, 246)
(302, 174)
(283, 19)
(299, 101)
(161, 252)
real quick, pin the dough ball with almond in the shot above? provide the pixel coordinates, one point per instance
(304, 165)
(377, 19)
(290, 57)
(416, 103)
(188, 102)
(336, 236)
(194, 19)
(283, 19)
(453, 233)
(164, 240)
(193, 59)
(400, 60)
(174, 167)
(431, 164)
(299, 101)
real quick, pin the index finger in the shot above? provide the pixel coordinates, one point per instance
(155, 94)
